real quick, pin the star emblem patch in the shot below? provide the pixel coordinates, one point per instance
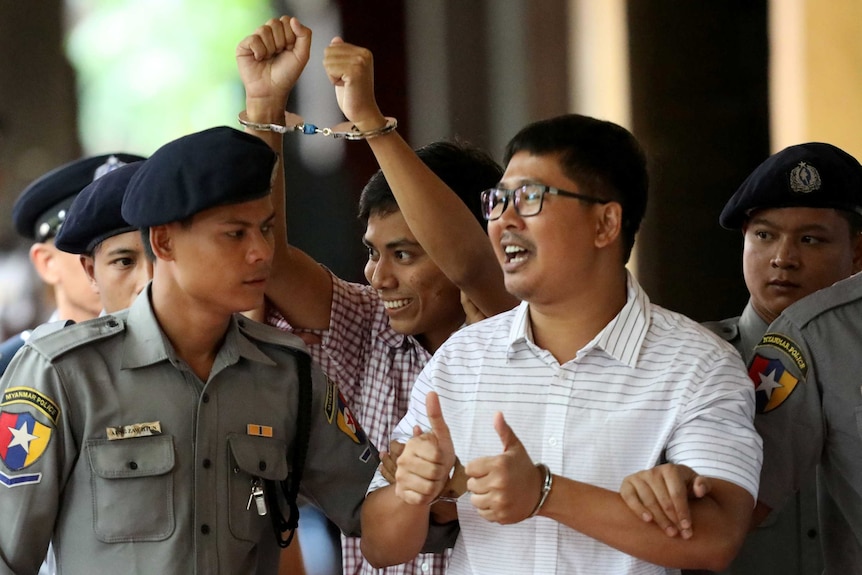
(22, 440)
(347, 423)
(772, 382)
(777, 368)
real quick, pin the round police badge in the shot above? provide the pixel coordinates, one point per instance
(804, 178)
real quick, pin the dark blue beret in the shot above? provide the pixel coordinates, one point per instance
(41, 208)
(95, 214)
(812, 175)
(212, 168)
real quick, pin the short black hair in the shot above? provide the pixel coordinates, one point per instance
(603, 158)
(463, 167)
(148, 247)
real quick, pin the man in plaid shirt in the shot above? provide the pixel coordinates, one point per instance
(427, 251)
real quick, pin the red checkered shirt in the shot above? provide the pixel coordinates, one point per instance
(374, 367)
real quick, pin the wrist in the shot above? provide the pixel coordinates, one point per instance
(265, 110)
(547, 484)
(372, 123)
(288, 122)
(448, 492)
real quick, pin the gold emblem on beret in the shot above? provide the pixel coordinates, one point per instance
(804, 178)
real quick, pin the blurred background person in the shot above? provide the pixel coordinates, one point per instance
(38, 214)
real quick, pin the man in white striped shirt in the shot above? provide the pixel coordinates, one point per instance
(586, 376)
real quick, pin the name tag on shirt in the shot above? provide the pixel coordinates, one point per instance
(134, 430)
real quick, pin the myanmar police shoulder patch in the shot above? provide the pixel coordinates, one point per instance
(335, 407)
(23, 438)
(777, 368)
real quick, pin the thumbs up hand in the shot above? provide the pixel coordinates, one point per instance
(428, 457)
(506, 487)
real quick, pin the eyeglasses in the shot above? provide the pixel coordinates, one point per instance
(527, 200)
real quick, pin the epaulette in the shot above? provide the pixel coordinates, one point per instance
(269, 334)
(844, 292)
(726, 329)
(59, 341)
(50, 327)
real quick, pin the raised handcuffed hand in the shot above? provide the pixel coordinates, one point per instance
(271, 60)
(351, 70)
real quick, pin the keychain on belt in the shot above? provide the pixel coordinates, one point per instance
(257, 496)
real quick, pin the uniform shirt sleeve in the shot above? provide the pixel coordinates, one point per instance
(37, 450)
(341, 460)
(788, 411)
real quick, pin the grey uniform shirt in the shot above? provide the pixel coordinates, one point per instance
(113, 448)
(786, 542)
(809, 364)
(742, 332)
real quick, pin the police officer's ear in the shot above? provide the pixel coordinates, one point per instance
(42, 256)
(161, 240)
(89, 265)
(608, 223)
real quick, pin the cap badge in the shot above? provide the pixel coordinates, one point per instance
(110, 165)
(51, 226)
(804, 178)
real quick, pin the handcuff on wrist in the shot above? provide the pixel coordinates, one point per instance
(547, 484)
(295, 123)
(446, 498)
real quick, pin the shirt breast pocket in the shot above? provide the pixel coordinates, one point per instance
(252, 461)
(132, 488)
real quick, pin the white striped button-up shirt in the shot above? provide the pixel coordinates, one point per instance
(652, 386)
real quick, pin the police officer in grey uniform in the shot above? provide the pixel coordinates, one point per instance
(808, 364)
(153, 440)
(94, 227)
(110, 248)
(38, 214)
(799, 213)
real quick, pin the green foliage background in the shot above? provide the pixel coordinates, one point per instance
(150, 71)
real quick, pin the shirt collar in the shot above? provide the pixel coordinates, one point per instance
(751, 327)
(397, 341)
(146, 344)
(622, 338)
(239, 345)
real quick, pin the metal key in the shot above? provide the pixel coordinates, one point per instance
(257, 496)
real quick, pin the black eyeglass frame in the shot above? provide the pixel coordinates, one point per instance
(516, 193)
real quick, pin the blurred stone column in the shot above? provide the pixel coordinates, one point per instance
(38, 108)
(700, 108)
